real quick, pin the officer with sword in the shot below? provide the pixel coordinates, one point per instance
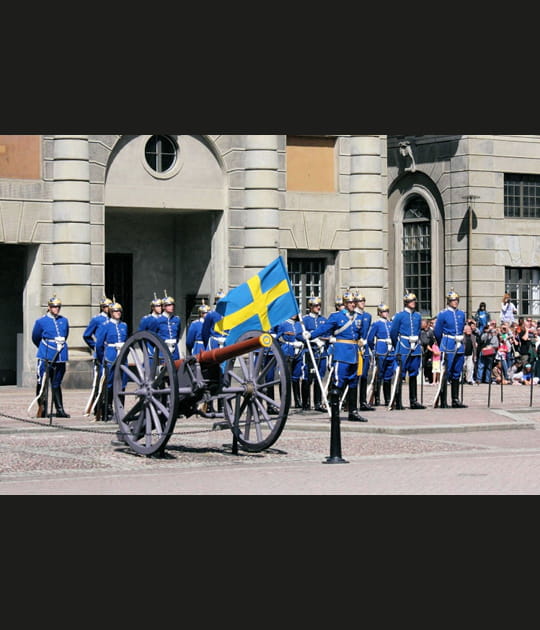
(382, 348)
(50, 335)
(89, 337)
(110, 339)
(449, 334)
(345, 329)
(365, 353)
(405, 336)
(312, 321)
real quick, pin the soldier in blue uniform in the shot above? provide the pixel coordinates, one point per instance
(194, 339)
(49, 335)
(211, 336)
(312, 321)
(110, 339)
(380, 344)
(405, 335)
(339, 306)
(289, 336)
(449, 334)
(148, 322)
(169, 327)
(365, 353)
(346, 327)
(89, 335)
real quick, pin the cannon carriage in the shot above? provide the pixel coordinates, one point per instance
(248, 380)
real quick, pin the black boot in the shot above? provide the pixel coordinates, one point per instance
(456, 402)
(387, 392)
(354, 416)
(398, 404)
(306, 395)
(58, 403)
(364, 404)
(377, 394)
(317, 397)
(271, 408)
(413, 393)
(443, 404)
(41, 403)
(296, 395)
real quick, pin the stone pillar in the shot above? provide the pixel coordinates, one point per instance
(70, 276)
(367, 263)
(261, 203)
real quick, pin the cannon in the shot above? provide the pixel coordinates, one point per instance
(248, 380)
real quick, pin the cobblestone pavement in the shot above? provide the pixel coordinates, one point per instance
(475, 450)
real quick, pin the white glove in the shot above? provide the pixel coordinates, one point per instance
(362, 342)
(319, 343)
(298, 344)
(332, 340)
(306, 335)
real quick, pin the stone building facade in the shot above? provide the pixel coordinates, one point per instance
(81, 215)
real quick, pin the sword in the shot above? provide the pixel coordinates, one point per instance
(310, 349)
(376, 371)
(99, 393)
(45, 377)
(397, 378)
(330, 374)
(93, 393)
(374, 375)
(40, 394)
(444, 372)
(441, 379)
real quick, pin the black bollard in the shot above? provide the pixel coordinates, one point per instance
(335, 432)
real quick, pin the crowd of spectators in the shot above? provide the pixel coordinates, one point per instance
(499, 350)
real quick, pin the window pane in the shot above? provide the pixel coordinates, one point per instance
(306, 278)
(417, 252)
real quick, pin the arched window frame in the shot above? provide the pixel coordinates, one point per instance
(437, 248)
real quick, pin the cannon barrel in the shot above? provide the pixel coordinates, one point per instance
(219, 355)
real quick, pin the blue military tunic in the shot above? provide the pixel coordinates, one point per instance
(289, 336)
(320, 349)
(365, 351)
(50, 335)
(449, 334)
(194, 340)
(109, 341)
(169, 329)
(149, 322)
(347, 329)
(405, 335)
(89, 335)
(380, 343)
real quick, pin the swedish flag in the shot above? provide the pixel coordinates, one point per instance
(263, 302)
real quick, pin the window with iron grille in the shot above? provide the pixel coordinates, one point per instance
(306, 278)
(417, 252)
(523, 285)
(522, 196)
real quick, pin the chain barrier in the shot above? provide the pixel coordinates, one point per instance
(89, 430)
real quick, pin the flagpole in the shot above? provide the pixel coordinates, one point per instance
(323, 393)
